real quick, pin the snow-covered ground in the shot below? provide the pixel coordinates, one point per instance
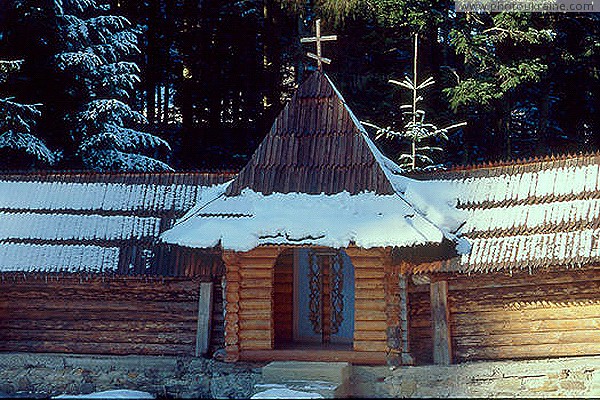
(108, 394)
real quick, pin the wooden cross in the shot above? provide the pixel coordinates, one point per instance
(318, 39)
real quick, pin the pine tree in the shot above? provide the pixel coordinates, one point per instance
(418, 132)
(19, 145)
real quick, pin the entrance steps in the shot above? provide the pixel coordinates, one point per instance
(327, 379)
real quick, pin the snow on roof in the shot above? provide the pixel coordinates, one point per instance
(366, 219)
(529, 215)
(89, 221)
(318, 179)
(57, 258)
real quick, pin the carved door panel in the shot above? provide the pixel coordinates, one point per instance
(325, 296)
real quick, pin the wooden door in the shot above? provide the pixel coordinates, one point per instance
(324, 301)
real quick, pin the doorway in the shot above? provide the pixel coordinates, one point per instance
(313, 298)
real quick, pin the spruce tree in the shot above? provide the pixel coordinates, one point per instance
(79, 63)
(20, 148)
(421, 135)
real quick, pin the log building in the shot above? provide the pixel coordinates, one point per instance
(325, 249)
(82, 269)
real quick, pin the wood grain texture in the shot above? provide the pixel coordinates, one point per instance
(527, 316)
(117, 315)
(313, 147)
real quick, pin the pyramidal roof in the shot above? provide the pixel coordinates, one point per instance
(317, 179)
(316, 145)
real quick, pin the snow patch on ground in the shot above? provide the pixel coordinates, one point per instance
(108, 394)
(284, 393)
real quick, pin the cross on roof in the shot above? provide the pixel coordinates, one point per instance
(318, 39)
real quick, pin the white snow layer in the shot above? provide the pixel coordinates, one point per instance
(67, 258)
(67, 226)
(284, 393)
(367, 219)
(420, 212)
(532, 215)
(96, 196)
(529, 249)
(109, 394)
(550, 182)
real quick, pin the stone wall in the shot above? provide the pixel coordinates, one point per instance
(564, 377)
(44, 375)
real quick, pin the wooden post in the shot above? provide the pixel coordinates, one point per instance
(404, 318)
(440, 317)
(205, 306)
(370, 317)
(232, 307)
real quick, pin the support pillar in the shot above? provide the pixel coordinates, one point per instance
(440, 318)
(232, 306)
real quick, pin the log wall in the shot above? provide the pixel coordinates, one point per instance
(370, 306)
(249, 301)
(102, 315)
(497, 316)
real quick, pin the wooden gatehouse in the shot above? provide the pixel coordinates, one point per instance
(332, 254)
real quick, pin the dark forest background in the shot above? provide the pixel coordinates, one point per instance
(215, 73)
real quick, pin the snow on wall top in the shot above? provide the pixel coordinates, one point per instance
(529, 215)
(90, 222)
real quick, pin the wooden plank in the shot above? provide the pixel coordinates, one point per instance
(253, 334)
(370, 316)
(355, 357)
(256, 273)
(370, 335)
(255, 344)
(102, 305)
(530, 326)
(254, 304)
(99, 315)
(369, 273)
(96, 348)
(95, 336)
(527, 351)
(205, 306)
(132, 325)
(361, 305)
(440, 317)
(373, 325)
(370, 284)
(529, 314)
(376, 346)
(532, 338)
(256, 293)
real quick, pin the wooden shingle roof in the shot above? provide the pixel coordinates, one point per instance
(314, 146)
(96, 222)
(527, 215)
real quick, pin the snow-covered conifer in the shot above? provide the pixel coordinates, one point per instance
(96, 53)
(17, 126)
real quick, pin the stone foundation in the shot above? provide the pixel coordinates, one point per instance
(565, 377)
(45, 375)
